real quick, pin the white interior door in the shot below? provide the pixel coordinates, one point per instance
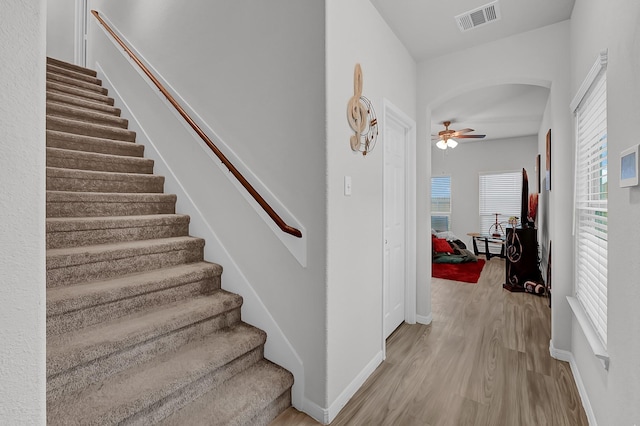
(395, 143)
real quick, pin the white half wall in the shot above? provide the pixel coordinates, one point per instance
(539, 57)
(614, 25)
(356, 33)
(22, 213)
(465, 163)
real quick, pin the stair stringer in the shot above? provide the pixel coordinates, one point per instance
(277, 348)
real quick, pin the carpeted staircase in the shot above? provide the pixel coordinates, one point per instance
(138, 329)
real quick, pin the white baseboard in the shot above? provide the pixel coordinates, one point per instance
(327, 415)
(422, 319)
(567, 356)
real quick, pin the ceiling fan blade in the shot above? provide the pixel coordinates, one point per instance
(467, 130)
(470, 136)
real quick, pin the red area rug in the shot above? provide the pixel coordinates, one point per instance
(468, 272)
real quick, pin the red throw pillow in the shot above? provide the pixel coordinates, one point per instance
(440, 245)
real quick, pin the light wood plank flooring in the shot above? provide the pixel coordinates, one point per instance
(483, 361)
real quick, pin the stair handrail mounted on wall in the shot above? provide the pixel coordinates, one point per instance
(234, 171)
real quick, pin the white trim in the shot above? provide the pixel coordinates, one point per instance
(390, 111)
(339, 403)
(277, 348)
(80, 33)
(598, 66)
(422, 319)
(589, 332)
(316, 412)
(297, 246)
(567, 356)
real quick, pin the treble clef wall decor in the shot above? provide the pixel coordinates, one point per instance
(361, 117)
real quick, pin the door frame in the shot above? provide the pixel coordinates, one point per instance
(392, 113)
(80, 33)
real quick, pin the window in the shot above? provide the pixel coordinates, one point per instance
(500, 192)
(441, 203)
(591, 194)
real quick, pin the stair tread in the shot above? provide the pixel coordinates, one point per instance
(56, 138)
(99, 157)
(78, 92)
(56, 69)
(64, 351)
(62, 224)
(100, 175)
(246, 393)
(83, 103)
(110, 197)
(80, 296)
(61, 109)
(70, 81)
(63, 257)
(69, 65)
(123, 394)
(77, 127)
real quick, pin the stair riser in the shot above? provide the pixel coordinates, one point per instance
(93, 209)
(81, 161)
(272, 411)
(57, 78)
(53, 69)
(95, 314)
(128, 185)
(78, 377)
(88, 144)
(85, 115)
(80, 238)
(85, 268)
(72, 67)
(88, 129)
(168, 405)
(88, 95)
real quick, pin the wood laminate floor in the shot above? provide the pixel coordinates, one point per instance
(483, 361)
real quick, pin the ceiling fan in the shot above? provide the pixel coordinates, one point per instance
(446, 137)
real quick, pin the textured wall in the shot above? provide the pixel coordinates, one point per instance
(22, 212)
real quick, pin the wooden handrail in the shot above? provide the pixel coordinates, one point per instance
(256, 196)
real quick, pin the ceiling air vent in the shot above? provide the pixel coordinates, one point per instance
(477, 17)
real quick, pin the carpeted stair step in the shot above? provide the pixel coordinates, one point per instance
(72, 265)
(93, 181)
(83, 231)
(68, 81)
(91, 204)
(70, 159)
(78, 306)
(55, 69)
(79, 92)
(86, 115)
(253, 397)
(82, 103)
(78, 359)
(73, 67)
(71, 141)
(89, 129)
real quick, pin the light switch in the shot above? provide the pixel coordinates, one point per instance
(347, 185)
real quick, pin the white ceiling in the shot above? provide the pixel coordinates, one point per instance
(428, 29)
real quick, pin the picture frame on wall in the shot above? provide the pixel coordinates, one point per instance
(548, 163)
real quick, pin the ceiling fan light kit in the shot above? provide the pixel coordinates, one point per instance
(445, 137)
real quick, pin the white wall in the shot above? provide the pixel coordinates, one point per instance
(22, 213)
(537, 57)
(466, 162)
(357, 34)
(254, 73)
(614, 25)
(61, 29)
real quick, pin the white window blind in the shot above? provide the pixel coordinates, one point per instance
(591, 194)
(441, 203)
(499, 193)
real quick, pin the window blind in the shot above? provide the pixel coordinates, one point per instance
(591, 195)
(499, 193)
(440, 203)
